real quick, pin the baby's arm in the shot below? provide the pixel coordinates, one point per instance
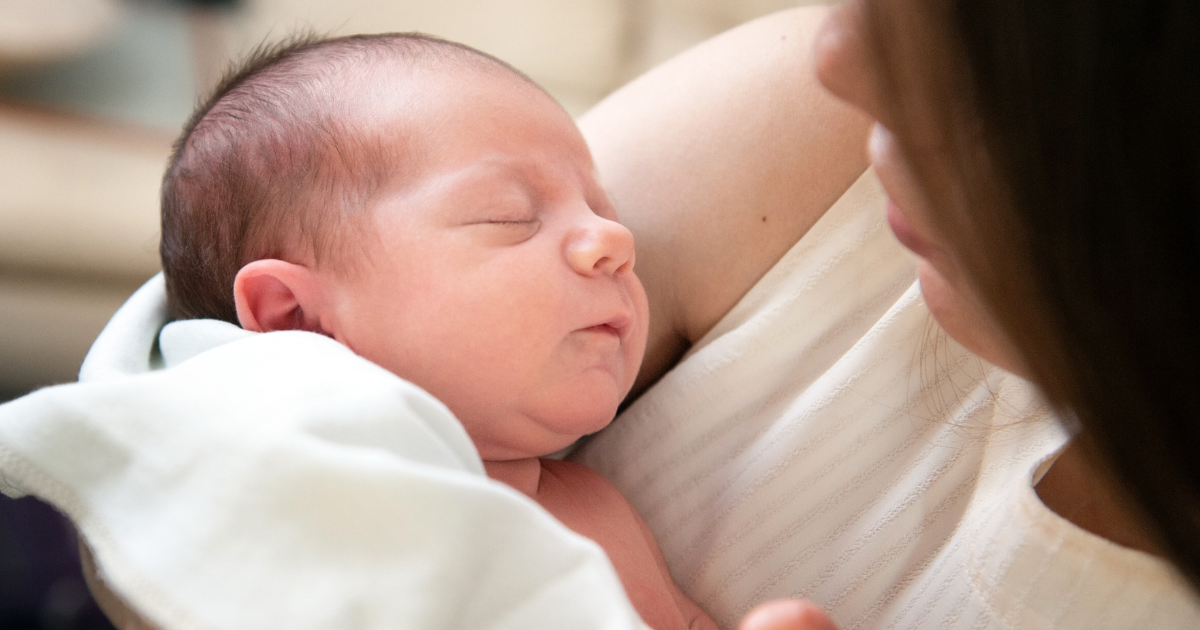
(591, 506)
(693, 615)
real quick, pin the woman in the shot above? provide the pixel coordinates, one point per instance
(1055, 210)
(1042, 163)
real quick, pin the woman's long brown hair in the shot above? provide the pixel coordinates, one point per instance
(1066, 175)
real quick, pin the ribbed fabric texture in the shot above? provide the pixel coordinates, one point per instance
(826, 440)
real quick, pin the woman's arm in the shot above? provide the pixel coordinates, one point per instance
(719, 161)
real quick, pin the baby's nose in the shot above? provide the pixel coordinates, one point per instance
(600, 247)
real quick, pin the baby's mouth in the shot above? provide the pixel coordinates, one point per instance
(604, 329)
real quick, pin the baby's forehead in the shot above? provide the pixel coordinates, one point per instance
(421, 107)
(410, 120)
(394, 100)
(395, 75)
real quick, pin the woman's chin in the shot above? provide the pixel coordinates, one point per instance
(965, 320)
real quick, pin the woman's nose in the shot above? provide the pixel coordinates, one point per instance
(844, 59)
(600, 246)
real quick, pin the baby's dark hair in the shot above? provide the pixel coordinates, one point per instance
(273, 155)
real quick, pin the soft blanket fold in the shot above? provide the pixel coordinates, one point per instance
(227, 479)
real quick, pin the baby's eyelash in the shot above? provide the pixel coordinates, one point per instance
(513, 222)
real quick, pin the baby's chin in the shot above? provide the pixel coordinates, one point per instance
(585, 417)
(548, 435)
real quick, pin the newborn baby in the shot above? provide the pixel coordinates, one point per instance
(438, 213)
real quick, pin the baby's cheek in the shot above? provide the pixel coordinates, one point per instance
(635, 346)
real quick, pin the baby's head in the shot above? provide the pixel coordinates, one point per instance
(427, 206)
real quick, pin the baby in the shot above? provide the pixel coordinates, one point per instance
(438, 213)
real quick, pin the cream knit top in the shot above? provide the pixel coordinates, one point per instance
(826, 440)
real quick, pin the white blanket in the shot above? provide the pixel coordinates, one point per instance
(233, 480)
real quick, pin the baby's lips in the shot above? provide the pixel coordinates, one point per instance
(618, 325)
(605, 329)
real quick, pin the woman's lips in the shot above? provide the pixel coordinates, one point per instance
(905, 233)
(894, 173)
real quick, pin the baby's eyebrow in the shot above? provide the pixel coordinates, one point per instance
(470, 190)
(500, 170)
(534, 180)
(508, 166)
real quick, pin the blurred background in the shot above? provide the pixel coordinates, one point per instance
(93, 92)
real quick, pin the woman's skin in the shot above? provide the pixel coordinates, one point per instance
(718, 161)
(786, 614)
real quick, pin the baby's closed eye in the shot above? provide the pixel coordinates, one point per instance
(512, 208)
(506, 230)
(511, 222)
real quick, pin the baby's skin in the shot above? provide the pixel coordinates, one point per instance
(494, 274)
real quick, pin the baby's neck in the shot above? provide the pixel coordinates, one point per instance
(521, 474)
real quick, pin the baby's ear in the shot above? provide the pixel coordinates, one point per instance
(275, 295)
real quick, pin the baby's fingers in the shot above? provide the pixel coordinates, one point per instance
(787, 614)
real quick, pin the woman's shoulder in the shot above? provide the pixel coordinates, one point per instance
(718, 161)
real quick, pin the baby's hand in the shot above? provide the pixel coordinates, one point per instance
(787, 614)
